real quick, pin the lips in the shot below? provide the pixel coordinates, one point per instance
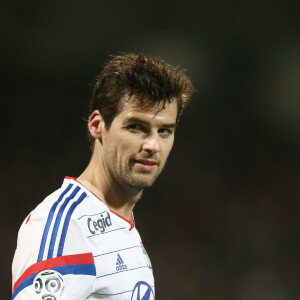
(146, 165)
(147, 162)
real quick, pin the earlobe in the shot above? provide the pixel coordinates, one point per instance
(95, 125)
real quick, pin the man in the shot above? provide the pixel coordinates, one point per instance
(81, 241)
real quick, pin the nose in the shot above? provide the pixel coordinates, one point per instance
(151, 144)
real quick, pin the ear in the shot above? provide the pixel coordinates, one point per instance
(96, 125)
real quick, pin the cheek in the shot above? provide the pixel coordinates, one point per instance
(166, 149)
(123, 147)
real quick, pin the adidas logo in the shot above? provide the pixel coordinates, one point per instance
(120, 265)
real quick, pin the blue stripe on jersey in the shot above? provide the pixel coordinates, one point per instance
(48, 223)
(106, 232)
(116, 294)
(66, 224)
(119, 250)
(126, 270)
(64, 270)
(92, 215)
(112, 294)
(58, 219)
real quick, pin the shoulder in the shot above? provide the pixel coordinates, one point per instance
(45, 235)
(43, 227)
(49, 223)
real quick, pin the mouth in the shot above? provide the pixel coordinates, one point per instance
(146, 164)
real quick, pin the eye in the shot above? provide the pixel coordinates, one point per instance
(164, 132)
(135, 128)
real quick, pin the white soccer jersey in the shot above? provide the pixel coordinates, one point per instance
(73, 247)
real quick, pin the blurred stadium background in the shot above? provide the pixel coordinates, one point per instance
(222, 221)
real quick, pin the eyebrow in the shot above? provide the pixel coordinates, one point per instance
(138, 120)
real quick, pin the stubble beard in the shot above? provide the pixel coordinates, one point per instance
(127, 177)
(141, 180)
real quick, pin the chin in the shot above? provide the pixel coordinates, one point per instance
(141, 183)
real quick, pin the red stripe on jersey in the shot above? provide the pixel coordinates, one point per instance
(28, 219)
(132, 224)
(77, 259)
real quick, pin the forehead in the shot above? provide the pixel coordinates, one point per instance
(167, 114)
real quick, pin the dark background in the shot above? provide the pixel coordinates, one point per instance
(222, 221)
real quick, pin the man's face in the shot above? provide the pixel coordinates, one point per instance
(137, 144)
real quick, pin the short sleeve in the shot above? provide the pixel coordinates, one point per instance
(53, 259)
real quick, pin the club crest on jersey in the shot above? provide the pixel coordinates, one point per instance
(142, 291)
(146, 257)
(48, 285)
(99, 223)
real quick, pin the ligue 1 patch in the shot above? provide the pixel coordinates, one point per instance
(142, 291)
(48, 285)
(146, 257)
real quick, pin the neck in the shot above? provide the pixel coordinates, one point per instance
(118, 198)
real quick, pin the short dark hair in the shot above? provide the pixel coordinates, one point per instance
(151, 81)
